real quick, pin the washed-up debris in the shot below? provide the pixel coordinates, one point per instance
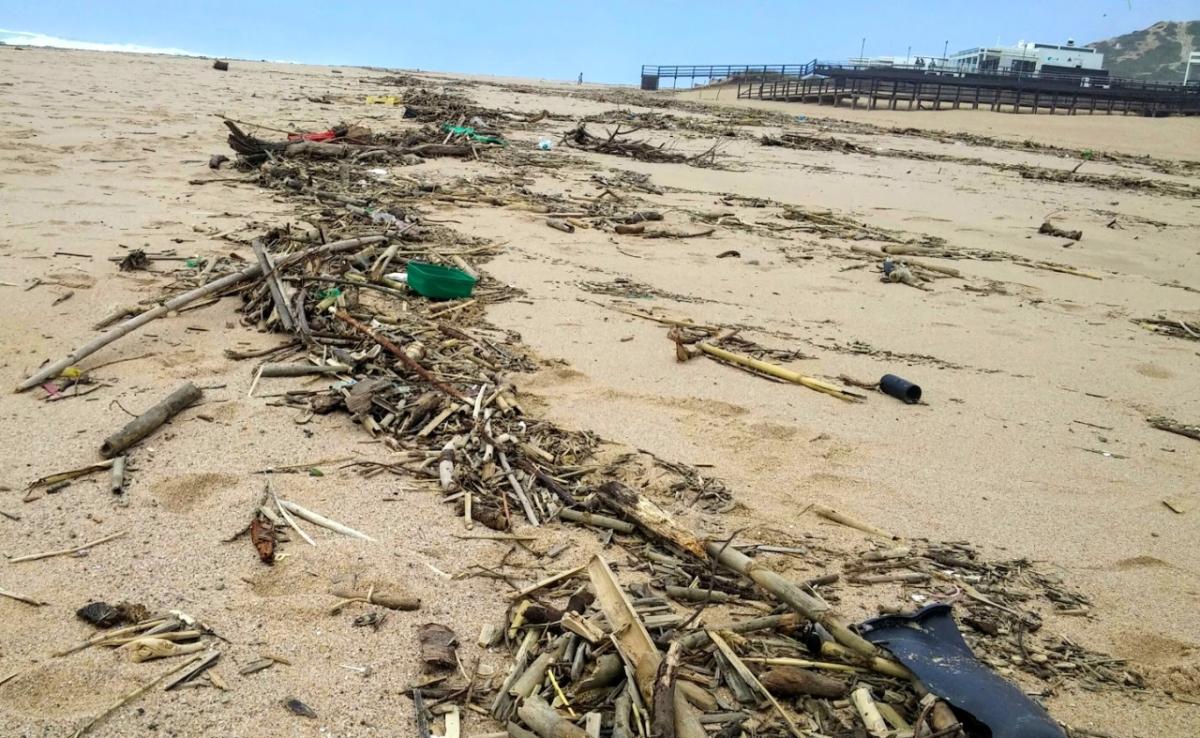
(1172, 426)
(104, 615)
(262, 535)
(434, 391)
(930, 644)
(615, 142)
(1049, 229)
(48, 481)
(686, 349)
(296, 707)
(900, 388)
(1172, 328)
(135, 260)
(438, 646)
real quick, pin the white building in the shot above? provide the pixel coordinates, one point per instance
(1027, 56)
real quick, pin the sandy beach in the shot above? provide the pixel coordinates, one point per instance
(1032, 441)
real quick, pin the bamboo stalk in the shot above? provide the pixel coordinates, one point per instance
(66, 551)
(793, 596)
(54, 368)
(830, 514)
(923, 264)
(777, 371)
(599, 521)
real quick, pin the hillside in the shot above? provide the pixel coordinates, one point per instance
(1156, 53)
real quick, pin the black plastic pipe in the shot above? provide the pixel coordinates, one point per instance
(900, 388)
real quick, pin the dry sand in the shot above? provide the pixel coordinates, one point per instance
(98, 152)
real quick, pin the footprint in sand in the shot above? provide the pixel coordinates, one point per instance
(1153, 371)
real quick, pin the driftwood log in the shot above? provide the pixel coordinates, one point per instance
(791, 681)
(146, 423)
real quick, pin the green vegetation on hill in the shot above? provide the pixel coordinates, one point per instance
(1158, 53)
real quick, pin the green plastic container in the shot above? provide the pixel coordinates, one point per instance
(439, 282)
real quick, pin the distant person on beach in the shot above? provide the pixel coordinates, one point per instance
(581, 78)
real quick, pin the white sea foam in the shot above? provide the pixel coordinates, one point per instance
(27, 38)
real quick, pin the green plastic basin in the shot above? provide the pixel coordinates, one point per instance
(439, 282)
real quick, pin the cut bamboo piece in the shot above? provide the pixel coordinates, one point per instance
(830, 514)
(580, 626)
(778, 372)
(874, 663)
(55, 368)
(546, 722)
(386, 596)
(599, 521)
(149, 421)
(300, 370)
(869, 713)
(628, 632)
(790, 681)
(531, 681)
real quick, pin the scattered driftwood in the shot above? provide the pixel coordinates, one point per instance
(218, 285)
(617, 144)
(149, 421)
(1172, 328)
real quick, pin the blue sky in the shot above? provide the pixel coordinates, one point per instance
(607, 41)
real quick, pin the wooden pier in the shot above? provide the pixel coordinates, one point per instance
(910, 88)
